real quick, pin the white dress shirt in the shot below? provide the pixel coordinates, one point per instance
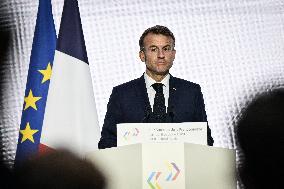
(151, 91)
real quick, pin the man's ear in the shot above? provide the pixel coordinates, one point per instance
(142, 56)
(174, 54)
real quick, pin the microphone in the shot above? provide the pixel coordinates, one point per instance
(171, 114)
(148, 112)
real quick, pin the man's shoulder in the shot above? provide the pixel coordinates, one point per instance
(178, 82)
(129, 85)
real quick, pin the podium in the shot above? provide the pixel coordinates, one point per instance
(167, 166)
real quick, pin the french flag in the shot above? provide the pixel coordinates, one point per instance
(70, 119)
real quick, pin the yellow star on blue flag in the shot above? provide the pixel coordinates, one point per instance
(27, 133)
(46, 73)
(30, 100)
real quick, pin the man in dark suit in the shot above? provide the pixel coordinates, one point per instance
(157, 96)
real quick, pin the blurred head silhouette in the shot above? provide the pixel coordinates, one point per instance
(58, 169)
(5, 173)
(260, 134)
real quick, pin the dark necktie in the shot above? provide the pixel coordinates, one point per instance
(159, 108)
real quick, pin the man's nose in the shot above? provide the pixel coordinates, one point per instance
(161, 53)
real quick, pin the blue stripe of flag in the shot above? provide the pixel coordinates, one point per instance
(70, 38)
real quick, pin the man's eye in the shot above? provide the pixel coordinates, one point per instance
(167, 48)
(153, 49)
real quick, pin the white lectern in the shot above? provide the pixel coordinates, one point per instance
(167, 166)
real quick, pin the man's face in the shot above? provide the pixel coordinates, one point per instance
(158, 54)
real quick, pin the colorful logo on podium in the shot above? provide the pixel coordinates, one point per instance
(174, 172)
(153, 180)
(154, 177)
(132, 133)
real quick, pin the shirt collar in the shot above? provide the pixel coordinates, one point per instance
(149, 81)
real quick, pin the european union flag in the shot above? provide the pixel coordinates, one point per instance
(41, 61)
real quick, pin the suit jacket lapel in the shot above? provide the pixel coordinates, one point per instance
(142, 95)
(172, 92)
(173, 100)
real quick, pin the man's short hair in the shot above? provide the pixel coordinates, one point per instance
(163, 30)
